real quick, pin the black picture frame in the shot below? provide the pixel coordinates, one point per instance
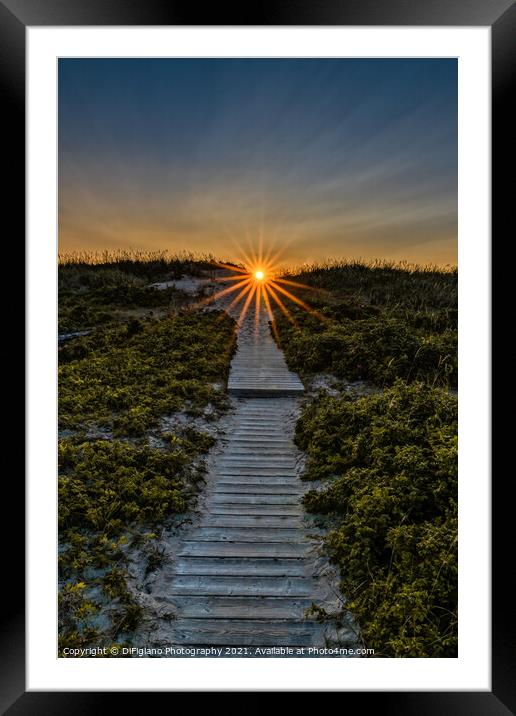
(500, 15)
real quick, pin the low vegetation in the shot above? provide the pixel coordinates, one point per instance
(123, 377)
(375, 323)
(124, 472)
(95, 289)
(389, 468)
(385, 459)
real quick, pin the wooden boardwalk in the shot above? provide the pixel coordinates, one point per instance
(259, 369)
(244, 573)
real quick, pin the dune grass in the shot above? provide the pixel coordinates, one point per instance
(388, 465)
(123, 377)
(376, 322)
(386, 460)
(123, 471)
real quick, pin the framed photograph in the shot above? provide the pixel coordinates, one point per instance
(258, 358)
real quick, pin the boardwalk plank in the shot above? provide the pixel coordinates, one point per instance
(272, 608)
(236, 566)
(243, 549)
(235, 632)
(241, 586)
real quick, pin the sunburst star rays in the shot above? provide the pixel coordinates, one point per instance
(257, 281)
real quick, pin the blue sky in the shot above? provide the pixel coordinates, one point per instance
(324, 158)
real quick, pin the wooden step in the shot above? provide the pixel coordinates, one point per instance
(243, 549)
(241, 586)
(247, 632)
(265, 510)
(273, 443)
(272, 480)
(252, 488)
(239, 566)
(239, 534)
(258, 457)
(255, 470)
(260, 465)
(240, 448)
(272, 608)
(278, 521)
(252, 499)
(265, 432)
(266, 389)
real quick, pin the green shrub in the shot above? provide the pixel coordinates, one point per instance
(105, 485)
(376, 322)
(383, 284)
(389, 465)
(379, 349)
(94, 295)
(124, 381)
(116, 479)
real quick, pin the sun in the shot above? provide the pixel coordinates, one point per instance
(257, 281)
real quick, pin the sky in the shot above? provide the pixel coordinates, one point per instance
(316, 158)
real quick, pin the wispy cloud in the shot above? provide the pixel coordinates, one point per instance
(337, 157)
